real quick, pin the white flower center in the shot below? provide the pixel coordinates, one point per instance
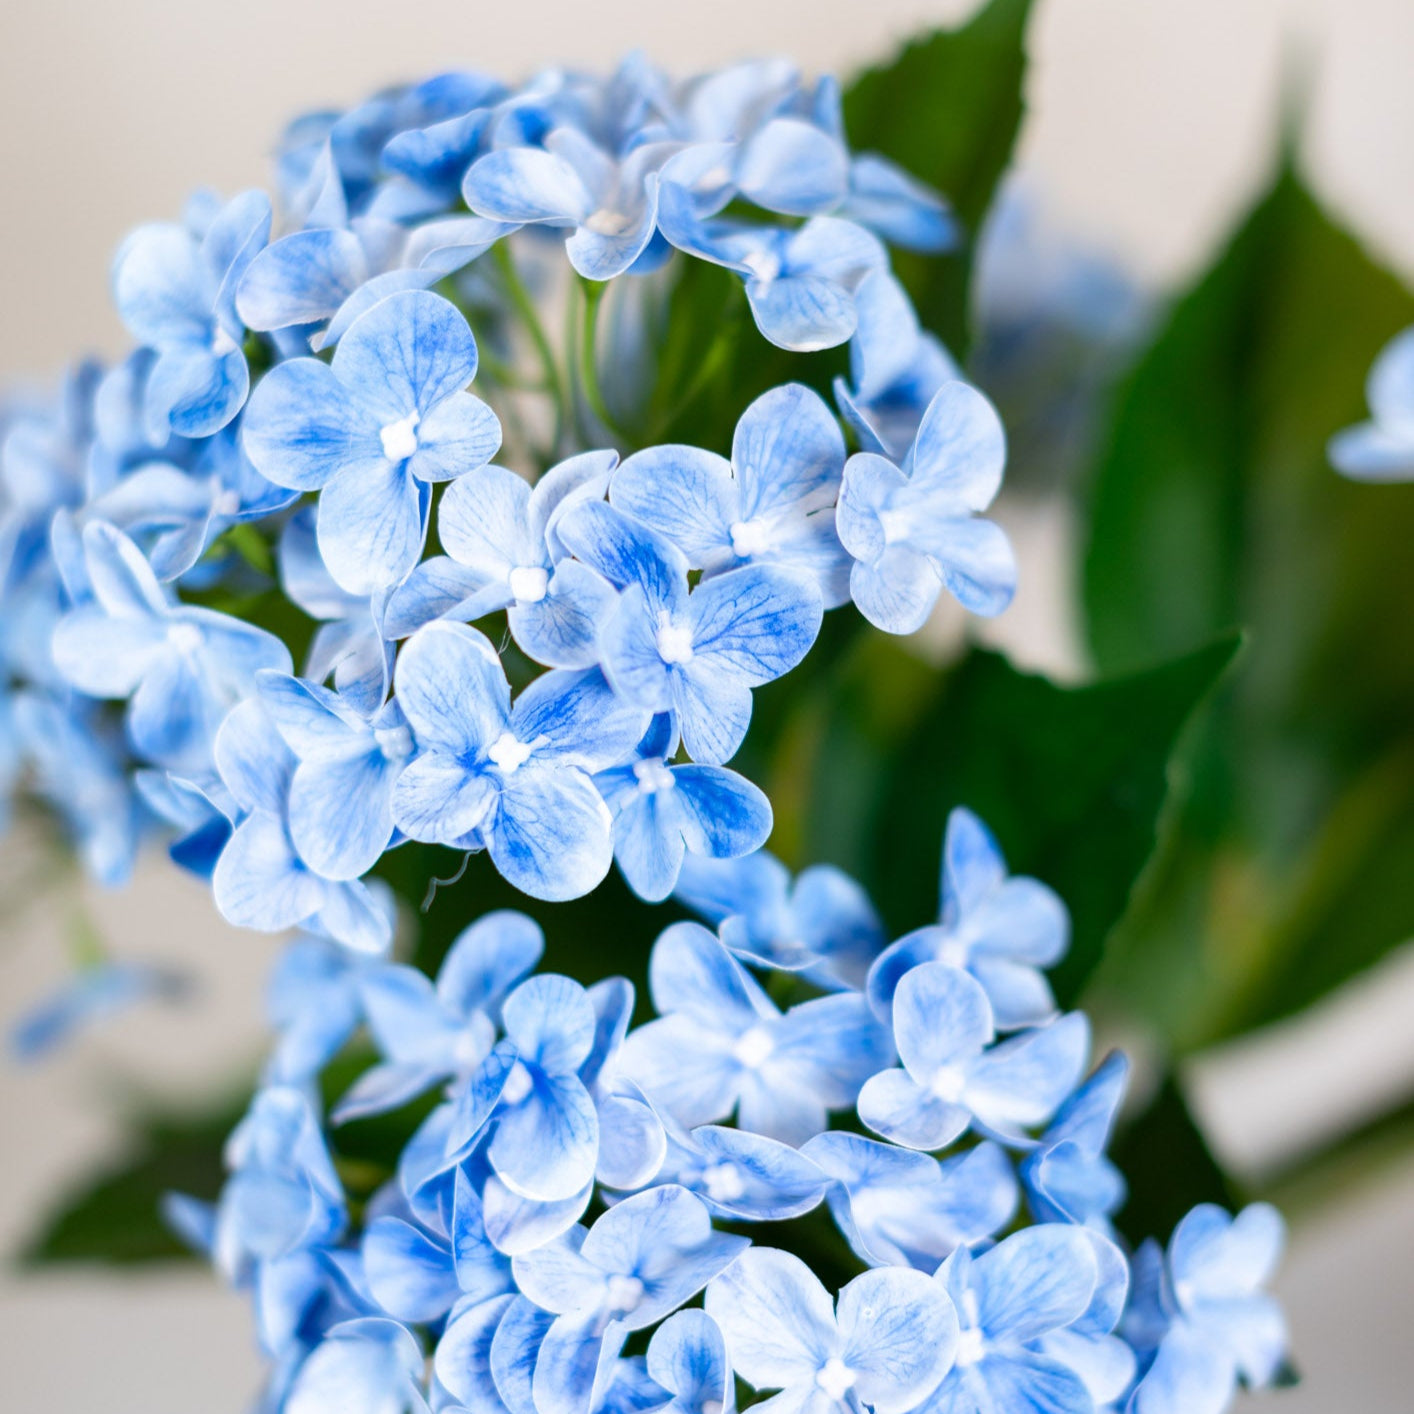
(222, 343)
(674, 641)
(400, 438)
(623, 1294)
(185, 638)
(605, 222)
(528, 583)
(971, 1347)
(954, 952)
(949, 1083)
(750, 537)
(518, 1085)
(653, 776)
(723, 1182)
(764, 265)
(836, 1379)
(754, 1046)
(394, 742)
(508, 753)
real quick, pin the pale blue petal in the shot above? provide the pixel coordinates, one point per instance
(1035, 1281)
(779, 1322)
(561, 629)
(893, 1104)
(463, 1358)
(550, 1019)
(1214, 1257)
(557, 1277)
(941, 1018)
(753, 1177)
(458, 435)
(159, 286)
(105, 656)
(299, 428)
(904, 212)
(452, 689)
(601, 255)
(385, 1087)
(193, 391)
(648, 844)
(792, 167)
(899, 1332)
(411, 1277)
(896, 592)
(483, 523)
(685, 1075)
(691, 972)
(1022, 1081)
(513, 1351)
(787, 451)
(626, 552)
(526, 184)
(755, 623)
(437, 800)
(686, 494)
(1188, 1376)
(1033, 1382)
(517, 1225)
(437, 588)
(575, 1363)
(550, 833)
(301, 279)
(487, 959)
(960, 449)
(632, 662)
(372, 525)
(632, 1143)
(577, 720)
(546, 1147)
(721, 813)
(802, 312)
(259, 883)
(688, 1357)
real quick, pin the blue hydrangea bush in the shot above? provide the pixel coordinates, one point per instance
(815, 1167)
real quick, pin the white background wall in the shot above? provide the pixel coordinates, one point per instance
(1151, 121)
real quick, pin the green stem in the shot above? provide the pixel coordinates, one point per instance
(594, 291)
(524, 306)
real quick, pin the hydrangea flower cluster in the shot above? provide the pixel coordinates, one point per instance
(550, 658)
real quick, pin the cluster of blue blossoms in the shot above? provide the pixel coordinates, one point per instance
(299, 413)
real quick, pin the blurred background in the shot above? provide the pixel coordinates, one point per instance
(1150, 131)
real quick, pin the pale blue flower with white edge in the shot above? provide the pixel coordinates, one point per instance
(1068, 1176)
(800, 284)
(180, 667)
(687, 1357)
(698, 653)
(609, 205)
(772, 503)
(1000, 929)
(665, 810)
(514, 778)
(897, 1207)
(895, 368)
(341, 795)
(720, 1046)
(372, 430)
(528, 1099)
(640, 1261)
(884, 1345)
(175, 291)
(428, 1033)
(1382, 449)
(953, 1077)
(367, 1366)
(915, 531)
(260, 881)
(820, 924)
(502, 553)
(1030, 1285)
(1204, 1323)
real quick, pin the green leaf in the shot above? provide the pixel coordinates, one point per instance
(947, 109)
(115, 1216)
(1168, 1166)
(1071, 780)
(1213, 504)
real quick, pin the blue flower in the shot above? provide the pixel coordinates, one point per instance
(665, 810)
(312, 1000)
(1201, 1320)
(528, 1096)
(698, 654)
(372, 430)
(1002, 930)
(416, 1273)
(895, 369)
(93, 994)
(884, 1345)
(609, 206)
(915, 531)
(821, 924)
(367, 1366)
(721, 1046)
(1034, 1283)
(639, 1262)
(175, 290)
(800, 284)
(896, 1207)
(503, 553)
(687, 1357)
(514, 779)
(79, 766)
(773, 503)
(427, 1034)
(1068, 1178)
(181, 667)
(341, 794)
(742, 1176)
(952, 1077)
(260, 881)
(1382, 449)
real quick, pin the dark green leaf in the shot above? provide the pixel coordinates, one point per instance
(1214, 504)
(1168, 1166)
(1071, 780)
(947, 108)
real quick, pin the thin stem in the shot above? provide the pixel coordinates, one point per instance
(525, 307)
(594, 291)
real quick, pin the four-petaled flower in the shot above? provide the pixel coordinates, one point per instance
(372, 430)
